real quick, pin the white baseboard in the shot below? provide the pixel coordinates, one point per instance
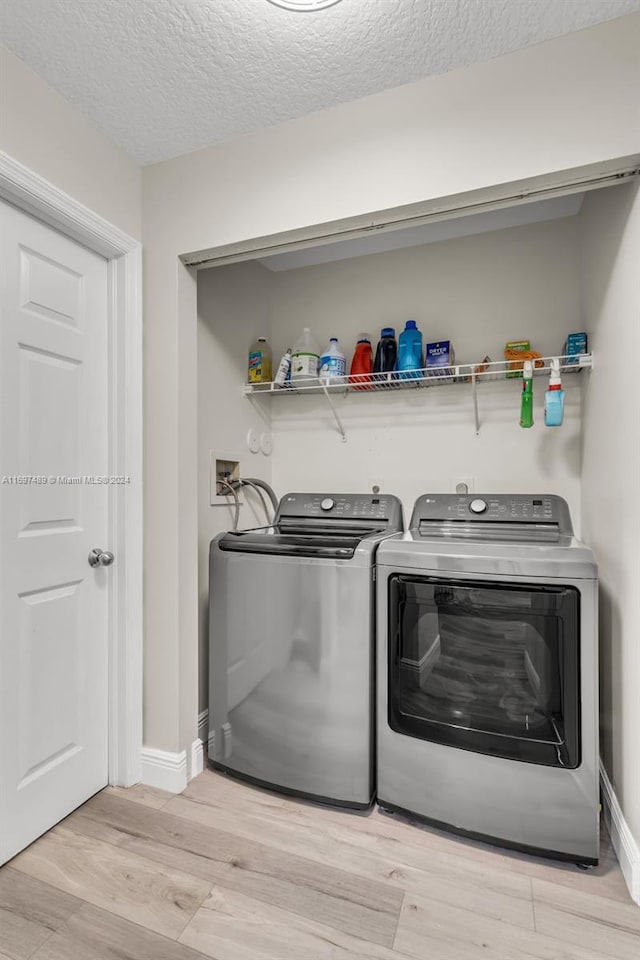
(624, 843)
(165, 770)
(197, 759)
(171, 771)
(203, 725)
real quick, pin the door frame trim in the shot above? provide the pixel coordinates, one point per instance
(36, 196)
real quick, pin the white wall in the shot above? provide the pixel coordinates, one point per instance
(478, 292)
(233, 309)
(554, 106)
(43, 131)
(611, 473)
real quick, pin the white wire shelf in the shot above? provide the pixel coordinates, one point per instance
(375, 383)
(416, 379)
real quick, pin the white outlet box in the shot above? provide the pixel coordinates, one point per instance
(455, 482)
(376, 485)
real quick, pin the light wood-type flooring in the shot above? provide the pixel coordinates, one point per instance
(235, 873)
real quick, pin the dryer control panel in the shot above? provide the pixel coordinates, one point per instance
(452, 513)
(342, 506)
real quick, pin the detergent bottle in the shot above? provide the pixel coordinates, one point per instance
(362, 364)
(410, 352)
(386, 353)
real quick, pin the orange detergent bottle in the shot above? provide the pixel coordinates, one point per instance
(362, 364)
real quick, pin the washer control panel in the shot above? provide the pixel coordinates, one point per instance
(493, 508)
(342, 506)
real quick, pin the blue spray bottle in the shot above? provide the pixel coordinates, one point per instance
(554, 398)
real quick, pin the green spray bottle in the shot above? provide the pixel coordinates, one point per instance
(526, 402)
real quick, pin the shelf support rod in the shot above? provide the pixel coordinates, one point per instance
(334, 412)
(258, 407)
(474, 382)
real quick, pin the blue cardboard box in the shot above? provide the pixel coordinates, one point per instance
(574, 345)
(439, 358)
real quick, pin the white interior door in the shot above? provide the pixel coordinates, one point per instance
(54, 606)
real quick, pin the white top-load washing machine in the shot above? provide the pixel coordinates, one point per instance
(291, 625)
(487, 688)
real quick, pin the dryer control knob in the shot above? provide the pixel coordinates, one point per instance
(328, 504)
(477, 506)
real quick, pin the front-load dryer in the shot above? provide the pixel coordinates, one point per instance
(291, 626)
(487, 673)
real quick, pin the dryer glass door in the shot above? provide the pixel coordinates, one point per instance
(488, 667)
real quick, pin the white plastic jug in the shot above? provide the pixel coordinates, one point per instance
(305, 357)
(333, 363)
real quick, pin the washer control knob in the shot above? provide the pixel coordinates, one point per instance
(328, 504)
(477, 506)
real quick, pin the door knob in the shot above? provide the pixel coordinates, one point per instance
(100, 558)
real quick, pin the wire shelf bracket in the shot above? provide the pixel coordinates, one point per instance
(336, 417)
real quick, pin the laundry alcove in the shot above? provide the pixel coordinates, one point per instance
(537, 270)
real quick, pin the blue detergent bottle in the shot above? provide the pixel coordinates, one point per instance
(410, 352)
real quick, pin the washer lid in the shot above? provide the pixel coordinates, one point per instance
(289, 540)
(322, 525)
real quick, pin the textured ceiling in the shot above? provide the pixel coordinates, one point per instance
(164, 77)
